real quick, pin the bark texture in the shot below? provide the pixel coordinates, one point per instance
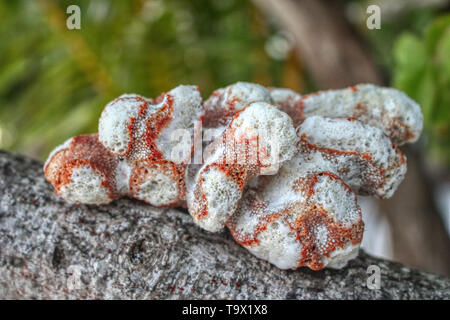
(130, 250)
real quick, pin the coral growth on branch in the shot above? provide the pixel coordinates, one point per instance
(281, 173)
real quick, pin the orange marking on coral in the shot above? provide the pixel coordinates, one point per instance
(252, 239)
(140, 173)
(314, 215)
(304, 225)
(240, 173)
(337, 236)
(86, 150)
(334, 152)
(155, 124)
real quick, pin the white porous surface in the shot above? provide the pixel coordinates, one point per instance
(65, 145)
(114, 122)
(379, 167)
(288, 101)
(339, 258)
(154, 133)
(85, 187)
(389, 109)
(187, 109)
(274, 129)
(222, 195)
(122, 177)
(223, 104)
(268, 217)
(116, 134)
(336, 200)
(259, 121)
(280, 95)
(278, 245)
(212, 195)
(242, 93)
(158, 188)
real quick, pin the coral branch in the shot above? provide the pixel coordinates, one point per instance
(259, 138)
(286, 194)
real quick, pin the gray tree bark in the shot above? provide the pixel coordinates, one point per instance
(130, 250)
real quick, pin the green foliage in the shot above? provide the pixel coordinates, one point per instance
(422, 70)
(54, 82)
(382, 41)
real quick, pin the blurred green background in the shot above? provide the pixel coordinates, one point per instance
(54, 82)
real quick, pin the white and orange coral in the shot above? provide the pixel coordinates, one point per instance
(282, 173)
